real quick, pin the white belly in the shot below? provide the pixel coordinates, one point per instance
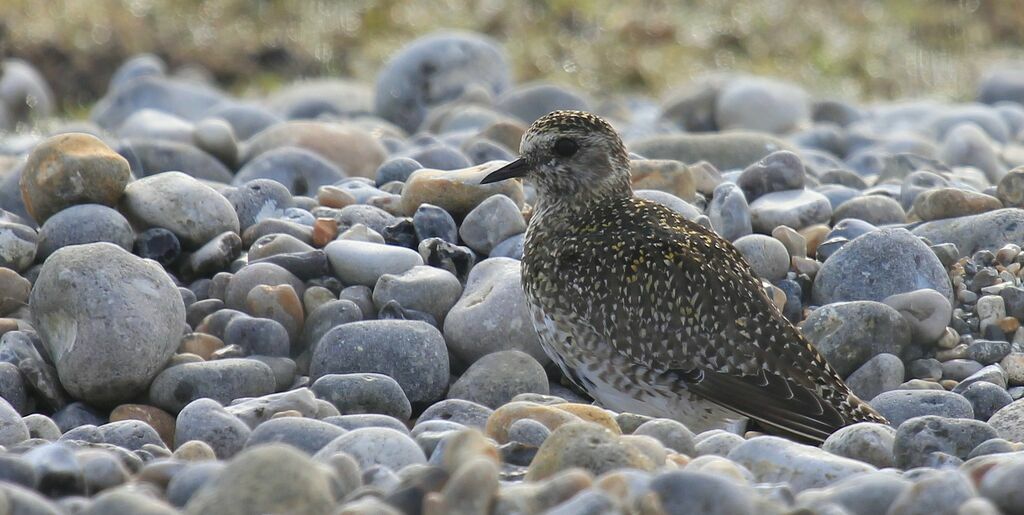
(625, 387)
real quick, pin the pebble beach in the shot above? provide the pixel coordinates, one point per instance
(306, 302)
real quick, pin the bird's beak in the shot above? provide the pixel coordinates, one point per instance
(517, 168)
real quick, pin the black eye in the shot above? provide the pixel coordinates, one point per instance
(565, 147)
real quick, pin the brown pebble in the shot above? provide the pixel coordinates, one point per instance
(7, 325)
(814, 235)
(288, 413)
(324, 231)
(194, 450)
(200, 344)
(591, 413)
(1009, 325)
(949, 384)
(157, 418)
(503, 417)
(277, 302)
(333, 196)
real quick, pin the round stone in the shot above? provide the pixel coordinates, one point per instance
(685, 491)
(109, 319)
(347, 146)
(69, 169)
(586, 446)
(877, 265)
(261, 336)
(882, 373)
(942, 203)
(494, 220)
(919, 438)
(257, 200)
(864, 441)
(18, 245)
(84, 223)
(193, 211)
(12, 428)
(496, 378)
(456, 191)
(413, 353)
(760, 104)
(873, 209)
(767, 256)
(776, 460)
(433, 222)
(158, 244)
(14, 291)
(396, 169)
(1009, 421)
(305, 434)
(272, 478)
(205, 420)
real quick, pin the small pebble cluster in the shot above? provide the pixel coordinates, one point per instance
(307, 303)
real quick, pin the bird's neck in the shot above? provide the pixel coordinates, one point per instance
(560, 213)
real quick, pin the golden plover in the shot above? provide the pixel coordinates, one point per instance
(651, 313)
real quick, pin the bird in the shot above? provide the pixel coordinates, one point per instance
(651, 313)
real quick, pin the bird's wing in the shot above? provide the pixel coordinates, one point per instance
(683, 301)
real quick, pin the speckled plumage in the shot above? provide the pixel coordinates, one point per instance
(651, 313)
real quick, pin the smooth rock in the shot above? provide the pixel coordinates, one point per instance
(300, 170)
(207, 421)
(109, 319)
(848, 334)
(357, 262)
(364, 393)
(496, 378)
(84, 223)
(70, 169)
(919, 437)
(774, 459)
(457, 191)
(867, 442)
(193, 211)
(413, 353)
(793, 208)
(375, 446)
(900, 405)
(222, 380)
(877, 265)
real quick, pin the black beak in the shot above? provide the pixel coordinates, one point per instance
(517, 168)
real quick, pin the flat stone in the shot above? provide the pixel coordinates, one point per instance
(900, 405)
(774, 459)
(356, 262)
(867, 442)
(496, 378)
(944, 203)
(193, 211)
(793, 208)
(587, 446)
(222, 380)
(457, 191)
(375, 446)
(919, 437)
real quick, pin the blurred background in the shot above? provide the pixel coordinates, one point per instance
(858, 49)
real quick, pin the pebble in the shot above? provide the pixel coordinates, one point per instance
(412, 353)
(767, 256)
(241, 284)
(1009, 421)
(364, 393)
(431, 221)
(939, 491)
(926, 311)
(271, 478)
(456, 191)
(774, 459)
(326, 317)
(877, 265)
(586, 446)
(18, 245)
(305, 434)
(848, 334)
(12, 428)
(729, 212)
(873, 209)
(461, 411)
(262, 336)
(84, 223)
(254, 411)
(1000, 486)
(882, 373)
(778, 171)
(492, 314)
(991, 230)
(15, 291)
(491, 222)
(206, 421)
(864, 441)
(356, 262)
(222, 380)
(672, 434)
(396, 169)
(161, 421)
(761, 104)
(70, 169)
(685, 491)
(941, 203)
(375, 446)
(496, 378)
(193, 211)
(900, 405)
(793, 208)
(421, 288)
(919, 437)
(986, 399)
(99, 300)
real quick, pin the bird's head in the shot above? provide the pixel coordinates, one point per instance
(570, 154)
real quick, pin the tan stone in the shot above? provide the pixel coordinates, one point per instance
(502, 418)
(277, 302)
(200, 344)
(457, 191)
(814, 234)
(348, 146)
(157, 418)
(334, 197)
(664, 175)
(942, 203)
(591, 413)
(586, 446)
(324, 231)
(69, 169)
(194, 450)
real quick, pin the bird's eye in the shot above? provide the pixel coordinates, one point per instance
(565, 147)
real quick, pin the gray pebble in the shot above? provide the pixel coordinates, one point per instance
(306, 434)
(848, 334)
(221, 380)
(364, 393)
(375, 446)
(464, 412)
(207, 421)
(492, 221)
(184, 484)
(729, 212)
(421, 288)
(867, 442)
(85, 223)
(900, 405)
(767, 256)
(350, 422)
(497, 377)
(881, 373)
(413, 353)
(919, 437)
